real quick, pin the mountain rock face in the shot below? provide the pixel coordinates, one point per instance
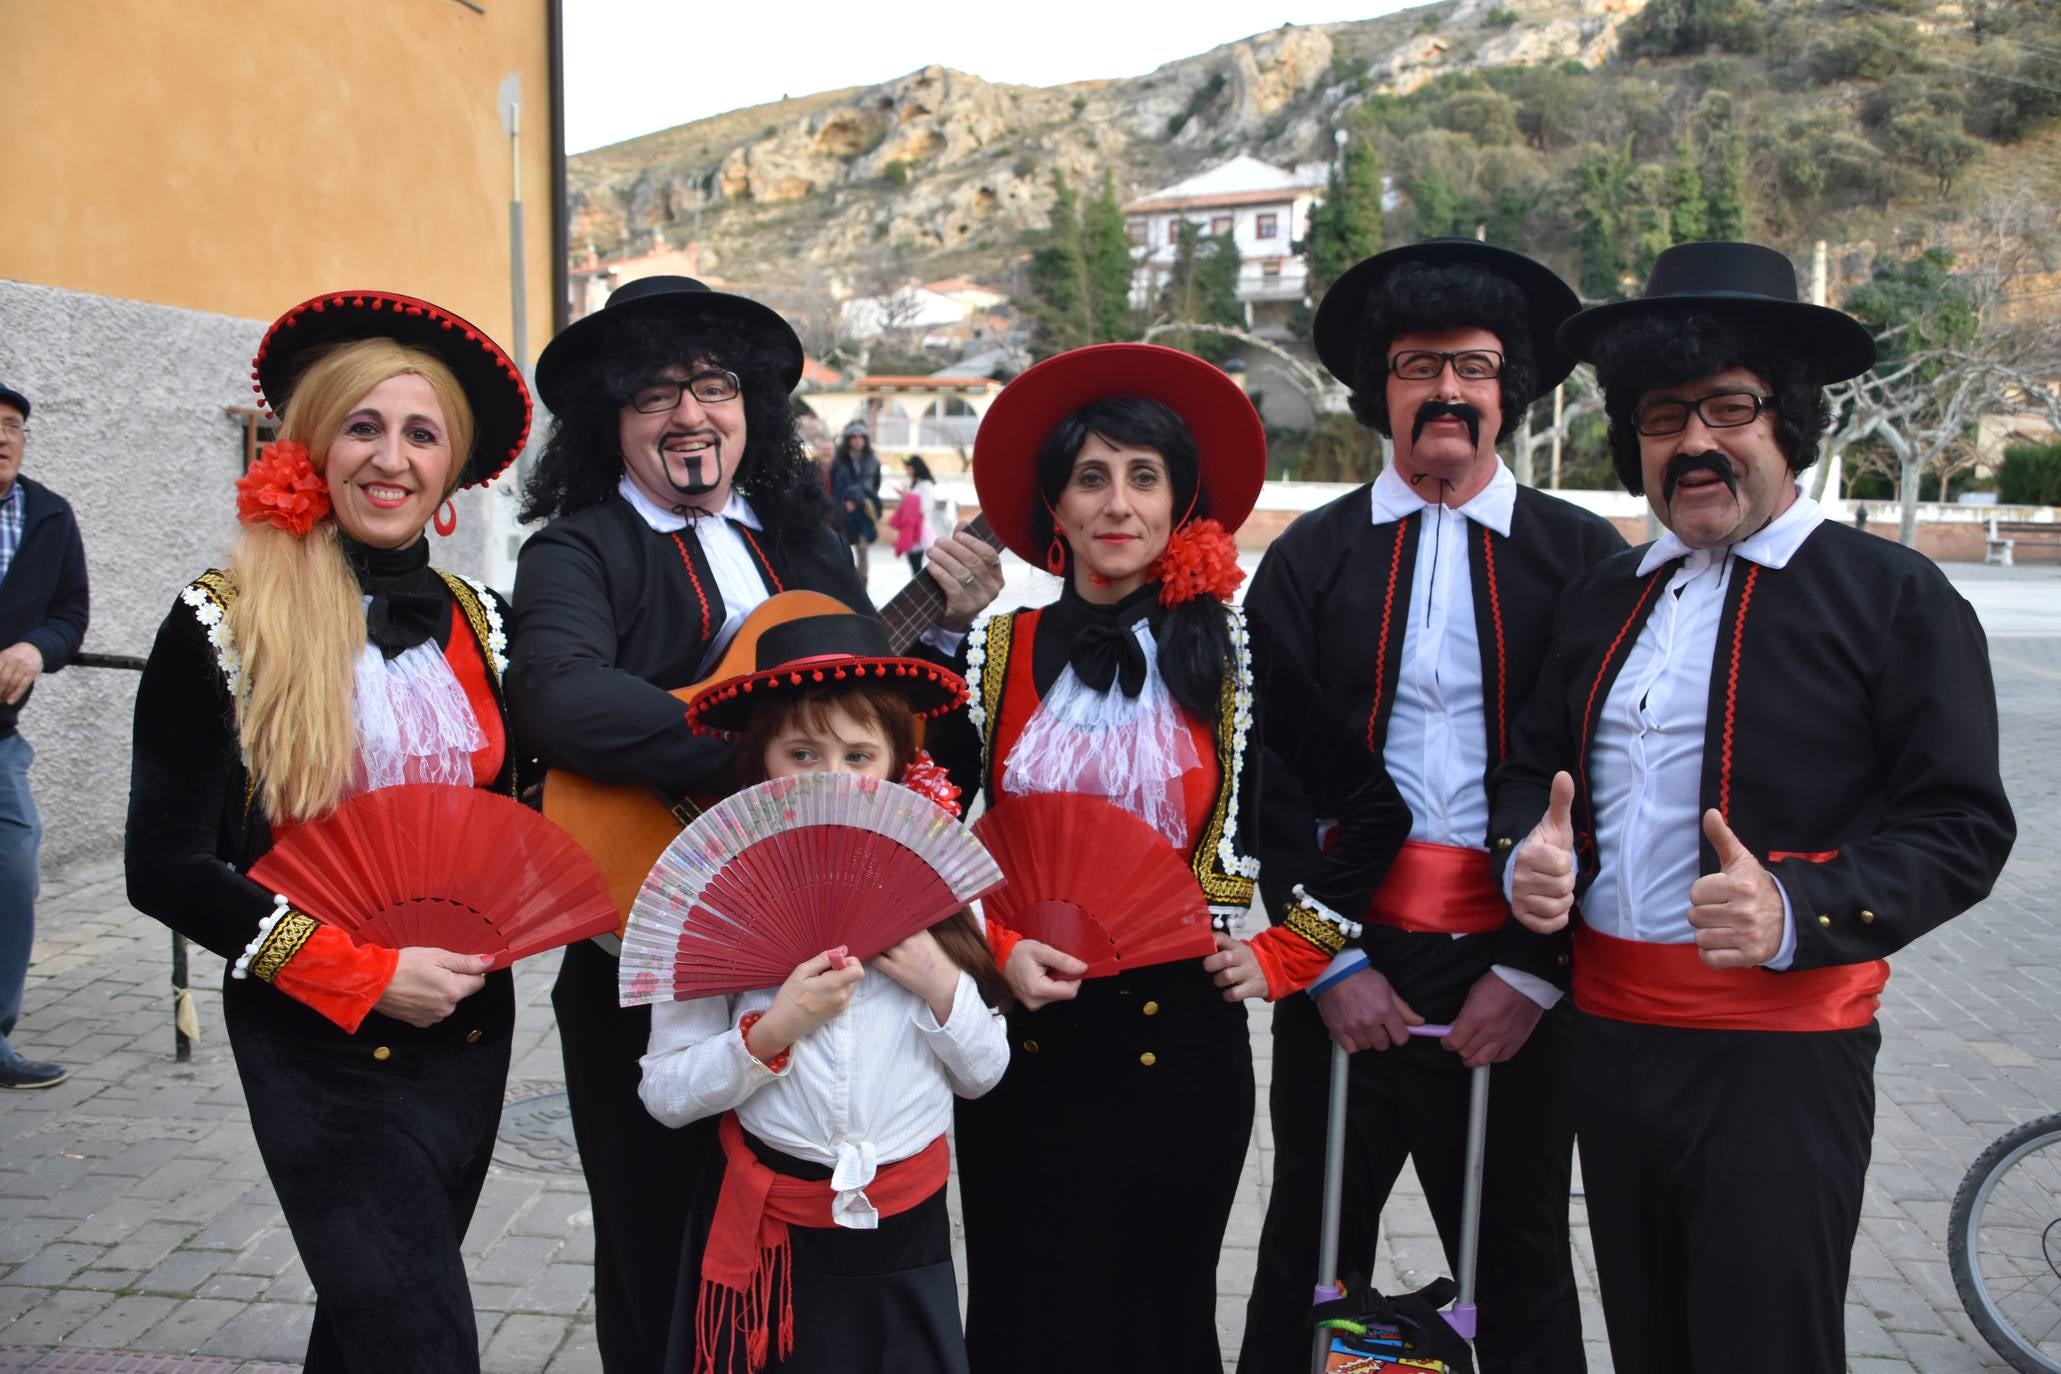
(947, 168)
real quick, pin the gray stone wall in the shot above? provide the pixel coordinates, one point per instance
(129, 426)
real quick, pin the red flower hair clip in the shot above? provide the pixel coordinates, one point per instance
(923, 775)
(282, 489)
(1200, 560)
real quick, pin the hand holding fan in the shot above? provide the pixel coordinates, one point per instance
(780, 872)
(451, 867)
(1095, 881)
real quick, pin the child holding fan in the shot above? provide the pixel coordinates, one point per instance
(827, 1244)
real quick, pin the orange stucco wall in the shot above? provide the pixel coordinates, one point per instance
(238, 156)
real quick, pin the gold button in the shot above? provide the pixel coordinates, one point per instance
(382, 1054)
(1562, 959)
(1030, 1047)
(1824, 920)
(1503, 843)
(1150, 1008)
(1148, 1059)
(1867, 918)
(472, 1037)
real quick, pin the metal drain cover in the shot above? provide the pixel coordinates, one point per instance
(536, 1130)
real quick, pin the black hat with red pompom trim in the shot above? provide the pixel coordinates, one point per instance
(820, 651)
(491, 381)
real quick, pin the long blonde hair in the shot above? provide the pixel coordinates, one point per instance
(297, 620)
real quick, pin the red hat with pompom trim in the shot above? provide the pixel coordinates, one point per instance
(818, 651)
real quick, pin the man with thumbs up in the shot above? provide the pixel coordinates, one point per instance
(1762, 756)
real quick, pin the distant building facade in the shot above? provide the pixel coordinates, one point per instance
(1263, 209)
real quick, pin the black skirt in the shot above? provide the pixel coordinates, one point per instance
(1098, 1177)
(884, 1301)
(377, 1144)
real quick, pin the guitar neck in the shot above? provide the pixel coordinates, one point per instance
(918, 606)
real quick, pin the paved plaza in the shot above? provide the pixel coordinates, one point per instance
(135, 1215)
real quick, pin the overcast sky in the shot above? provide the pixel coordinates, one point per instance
(636, 66)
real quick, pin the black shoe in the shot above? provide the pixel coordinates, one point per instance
(17, 1072)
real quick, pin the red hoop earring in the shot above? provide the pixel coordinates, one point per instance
(446, 518)
(1055, 556)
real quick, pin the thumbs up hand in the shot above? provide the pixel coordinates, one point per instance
(1542, 873)
(1737, 911)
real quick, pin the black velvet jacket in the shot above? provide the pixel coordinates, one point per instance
(1335, 587)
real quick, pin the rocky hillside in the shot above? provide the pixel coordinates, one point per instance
(944, 172)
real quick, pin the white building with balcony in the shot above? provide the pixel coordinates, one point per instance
(1263, 208)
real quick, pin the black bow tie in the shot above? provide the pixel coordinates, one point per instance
(1108, 653)
(410, 604)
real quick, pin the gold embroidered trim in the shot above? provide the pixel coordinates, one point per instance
(1223, 888)
(1314, 928)
(476, 616)
(289, 933)
(994, 679)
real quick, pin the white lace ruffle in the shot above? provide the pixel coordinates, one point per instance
(414, 723)
(257, 941)
(1131, 750)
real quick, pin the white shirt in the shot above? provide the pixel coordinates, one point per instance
(738, 582)
(1436, 748)
(873, 1086)
(1646, 766)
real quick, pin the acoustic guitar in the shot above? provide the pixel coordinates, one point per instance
(625, 827)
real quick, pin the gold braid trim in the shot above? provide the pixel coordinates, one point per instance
(1219, 887)
(475, 616)
(1314, 928)
(289, 933)
(219, 590)
(994, 679)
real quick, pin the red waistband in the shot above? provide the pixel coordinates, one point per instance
(1439, 888)
(1670, 985)
(748, 1249)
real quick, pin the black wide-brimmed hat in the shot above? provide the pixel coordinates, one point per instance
(1735, 279)
(1548, 302)
(587, 338)
(815, 651)
(1230, 441)
(10, 397)
(491, 381)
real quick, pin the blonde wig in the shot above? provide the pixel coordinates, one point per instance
(297, 619)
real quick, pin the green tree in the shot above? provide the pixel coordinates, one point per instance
(1726, 211)
(1202, 288)
(1346, 226)
(1106, 249)
(1436, 208)
(1687, 218)
(1646, 228)
(1060, 306)
(1488, 117)
(1600, 179)
(1917, 304)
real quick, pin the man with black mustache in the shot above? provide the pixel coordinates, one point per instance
(1420, 604)
(1762, 758)
(680, 496)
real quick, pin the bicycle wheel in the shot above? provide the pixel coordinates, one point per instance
(2004, 1245)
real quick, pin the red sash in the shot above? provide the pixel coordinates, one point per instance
(1670, 985)
(1439, 888)
(748, 1246)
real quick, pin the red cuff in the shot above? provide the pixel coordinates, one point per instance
(337, 976)
(1001, 939)
(1290, 962)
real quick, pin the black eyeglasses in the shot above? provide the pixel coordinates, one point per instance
(711, 387)
(1726, 410)
(1469, 365)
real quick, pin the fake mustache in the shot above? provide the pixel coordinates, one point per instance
(696, 466)
(1710, 460)
(1438, 410)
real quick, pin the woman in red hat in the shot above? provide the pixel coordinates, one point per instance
(1098, 1177)
(326, 659)
(834, 1089)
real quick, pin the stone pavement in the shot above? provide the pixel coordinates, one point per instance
(135, 1215)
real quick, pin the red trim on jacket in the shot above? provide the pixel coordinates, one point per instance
(1395, 568)
(687, 562)
(1488, 562)
(1724, 805)
(1587, 840)
(765, 563)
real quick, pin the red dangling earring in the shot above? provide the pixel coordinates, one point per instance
(446, 518)
(1055, 556)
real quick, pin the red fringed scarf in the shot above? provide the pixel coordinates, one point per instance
(749, 1251)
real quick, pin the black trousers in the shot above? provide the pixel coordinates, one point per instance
(884, 1301)
(378, 1161)
(640, 1175)
(1097, 1179)
(1724, 1172)
(1411, 1103)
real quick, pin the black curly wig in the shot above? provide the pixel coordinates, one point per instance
(1656, 350)
(1195, 644)
(1427, 296)
(583, 461)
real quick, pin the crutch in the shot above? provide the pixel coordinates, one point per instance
(1461, 1315)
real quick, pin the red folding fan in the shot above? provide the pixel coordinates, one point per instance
(1095, 881)
(453, 867)
(780, 872)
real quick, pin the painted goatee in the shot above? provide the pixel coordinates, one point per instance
(702, 468)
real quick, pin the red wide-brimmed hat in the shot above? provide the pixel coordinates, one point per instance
(816, 650)
(1230, 441)
(491, 381)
